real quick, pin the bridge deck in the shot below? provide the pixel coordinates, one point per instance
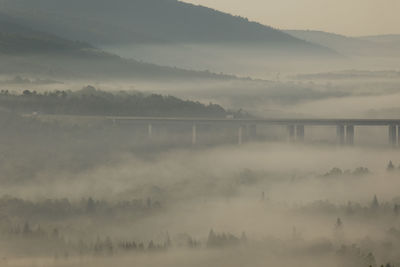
(270, 121)
(327, 122)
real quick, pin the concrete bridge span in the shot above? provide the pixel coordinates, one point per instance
(247, 128)
(345, 128)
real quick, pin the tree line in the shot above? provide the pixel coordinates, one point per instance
(14, 208)
(90, 101)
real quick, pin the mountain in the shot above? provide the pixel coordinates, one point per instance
(368, 46)
(20, 40)
(27, 51)
(388, 39)
(104, 22)
(382, 38)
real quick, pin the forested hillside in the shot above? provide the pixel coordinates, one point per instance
(90, 101)
(370, 46)
(145, 21)
(24, 50)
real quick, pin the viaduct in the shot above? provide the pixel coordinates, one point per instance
(295, 127)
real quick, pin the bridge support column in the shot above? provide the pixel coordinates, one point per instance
(291, 132)
(340, 134)
(194, 134)
(240, 135)
(246, 133)
(398, 135)
(393, 137)
(149, 130)
(253, 132)
(300, 133)
(350, 135)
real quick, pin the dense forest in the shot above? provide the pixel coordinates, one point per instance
(90, 101)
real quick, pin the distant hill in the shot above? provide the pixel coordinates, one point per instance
(17, 39)
(146, 21)
(23, 51)
(392, 39)
(374, 46)
(350, 75)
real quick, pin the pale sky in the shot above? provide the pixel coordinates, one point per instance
(349, 17)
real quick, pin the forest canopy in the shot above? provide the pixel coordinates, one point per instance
(90, 101)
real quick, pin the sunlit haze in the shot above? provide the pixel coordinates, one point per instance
(160, 133)
(355, 17)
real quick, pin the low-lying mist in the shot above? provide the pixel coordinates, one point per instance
(140, 147)
(283, 203)
(90, 191)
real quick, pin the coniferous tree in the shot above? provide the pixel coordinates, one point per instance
(168, 242)
(396, 209)
(243, 237)
(375, 203)
(27, 229)
(151, 246)
(90, 206)
(390, 166)
(212, 239)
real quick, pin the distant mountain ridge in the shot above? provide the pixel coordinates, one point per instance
(383, 39)
(375, 46)
(17, 39)
(145, 21)
(27, 51)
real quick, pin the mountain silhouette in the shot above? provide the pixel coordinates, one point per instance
(146, 21)
(371, 46)
(27, 51)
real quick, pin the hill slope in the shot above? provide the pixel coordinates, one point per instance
(17, 39)
(392, 40)
(26, 51)
(374, 46)
(145, 21)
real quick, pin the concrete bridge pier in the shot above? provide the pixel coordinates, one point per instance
(194, 134)
(240, 135)
(246, 133)
(300, 133)
(291, 132)
(249, 132)
(149, 130)
(340, 134)
(393, 136)
(398, 135)
(253, 132)
(350, 135)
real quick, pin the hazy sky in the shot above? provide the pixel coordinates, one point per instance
(350, 17)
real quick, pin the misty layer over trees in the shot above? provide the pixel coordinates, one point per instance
(73, 196)
(89, 192)
(130, 136)
(90, 101)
